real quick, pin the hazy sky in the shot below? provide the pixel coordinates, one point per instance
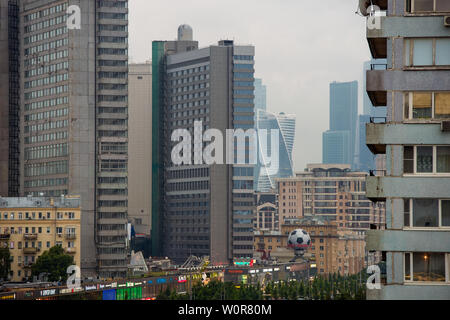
(301, 46)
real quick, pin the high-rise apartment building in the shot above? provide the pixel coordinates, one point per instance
(333, 192)
(414, 36)
(201, 209)
(9, 98)
(279, 163)
(140, 153)
(339, 142)
(72, 88)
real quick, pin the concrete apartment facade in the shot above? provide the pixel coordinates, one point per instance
(9, 98)
(140, 151)
(415, 39)
(332, 191)
(30, 226)
(70, 136)
(201, 209)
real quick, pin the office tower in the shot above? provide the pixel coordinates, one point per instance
(140, 154)
(31, 225)
(336, 147)
(279, 164)
(9, 98)
(200, 209)
(74, 131)
(339, 141)
(260, 95)
(331, 191)
(415, 38)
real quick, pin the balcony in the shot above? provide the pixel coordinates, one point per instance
(30, 250)
(383, 4)
(70, 250)
(378, 135)
(5, 236)
(381, 81)
(30, 236)
(408, 240)
(70, 236)
(410, 292)
(379, 188)
(28, 265)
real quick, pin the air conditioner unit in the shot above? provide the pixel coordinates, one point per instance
(447, 21)
(445, 126)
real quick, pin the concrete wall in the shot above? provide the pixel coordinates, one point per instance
(140, 146)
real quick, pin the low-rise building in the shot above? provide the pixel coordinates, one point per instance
(31, 225)
(333, 249)
(266, 211)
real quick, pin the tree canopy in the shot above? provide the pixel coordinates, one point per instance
(54, 262)
(5, 263)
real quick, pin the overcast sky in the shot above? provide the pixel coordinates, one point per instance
(301, 46)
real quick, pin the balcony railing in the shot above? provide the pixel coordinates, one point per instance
(5, 236)
(70, 236)
(378, 66)
(30, 236)
(30, 250)
(378, 119)
(377, 173)
(28, 264)
(70, 250)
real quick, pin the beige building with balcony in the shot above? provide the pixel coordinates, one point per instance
(31, 225)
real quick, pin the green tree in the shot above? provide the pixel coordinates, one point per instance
(5, 263)
(54, 262)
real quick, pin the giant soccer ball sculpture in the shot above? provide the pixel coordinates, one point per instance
(299, 240)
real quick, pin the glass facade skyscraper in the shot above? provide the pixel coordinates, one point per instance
(272, 167)
(339, 143)
(260, 95)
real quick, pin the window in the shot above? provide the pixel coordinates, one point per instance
(421, 6)
(426, 159)
(425, 266)
(427, 105)
(426, 213)
(427, 52)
